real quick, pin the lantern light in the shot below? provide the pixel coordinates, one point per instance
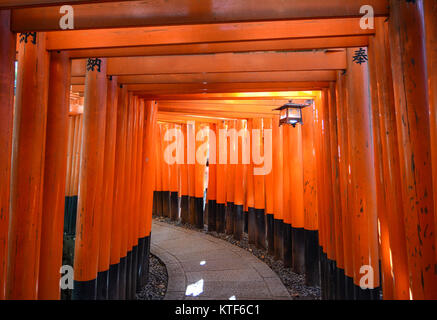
(291, 112)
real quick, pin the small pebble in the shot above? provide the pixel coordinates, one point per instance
(156, 287)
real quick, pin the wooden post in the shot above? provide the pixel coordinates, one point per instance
(184, 179)
(221, 183)
(430, 15)
(230, 176)
(138, 204)
(76, 173)
(27, 167)
(7, 77)
(296, 200)
(327, 210)
(129, 191)
(212, 178)
(239, 181)
(158, 176)
(52, 224)
(259, 183)
(174, 205)
(336, 200)
(312, 269)
(364, 208)
(413, 127)
(270, 196)
(117, 254)
(68, 181)
(199, 172)
(344, 172)
(381, 198)
(391, 169)
(287, 246)
(150, 112)
(165, 171)
(108, 189)
(250, 197)
(191, 154)
(278, 160)
(91, 177)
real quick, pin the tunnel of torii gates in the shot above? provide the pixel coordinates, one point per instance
(351, 192)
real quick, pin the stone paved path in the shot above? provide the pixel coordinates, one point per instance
(202, 267)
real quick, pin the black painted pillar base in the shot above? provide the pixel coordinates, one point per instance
(238, 222)
(376, 294)
(220, 217)
(278, 238)
(166, 204)
(102, 285)
(298, 250)
(312, 263)
(67, 208)
(85, 290)
(251, 225)
(122, 278)
(349, 288)
(212, 219)
(198, 205)
(323, 274)
(70, 216)
(145, 274)
(270, 234)
(192, 211)
(185, 216)
(229, 218)
(128, 275)
(114, 282)
(287, 257)
(159, 209)
(174, 206)
(341, 285)
(155, 203)
(260, 229)
(134, 272)
(246, 221)
(140, 262)
(366, 294)
(332, 279)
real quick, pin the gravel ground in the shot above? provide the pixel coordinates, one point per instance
(158, 280)
(294, 283)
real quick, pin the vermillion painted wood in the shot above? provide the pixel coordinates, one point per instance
(54, 177)
(413, 127)
(7, 75)
(28, 169)
(91, 177)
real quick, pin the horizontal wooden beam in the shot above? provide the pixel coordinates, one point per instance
(204, 78)
(224, 62)
(14, 4)
(178, 89)
(217, 114)
(176, 12)
(225, 87)
(225, 47)
(234, 96)
(177, 117)
(180, 106)
(192, 34)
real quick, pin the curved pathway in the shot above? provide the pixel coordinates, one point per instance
(202, 267)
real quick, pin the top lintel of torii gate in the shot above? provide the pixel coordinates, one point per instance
(44, 15)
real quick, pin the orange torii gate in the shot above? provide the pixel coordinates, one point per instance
(351, 189)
